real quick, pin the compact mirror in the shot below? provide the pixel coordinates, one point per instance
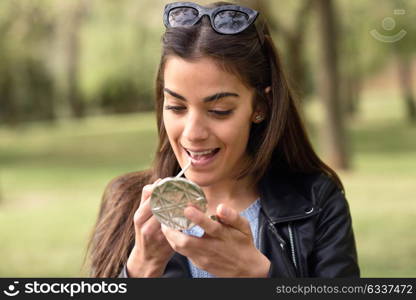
(171, 196)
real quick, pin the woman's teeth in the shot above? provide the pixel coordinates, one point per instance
(201, 153)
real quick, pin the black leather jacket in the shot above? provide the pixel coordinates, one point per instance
(305, 229)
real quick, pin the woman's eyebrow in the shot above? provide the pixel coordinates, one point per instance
(206, 99)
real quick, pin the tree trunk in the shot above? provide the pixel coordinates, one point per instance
(351, 91)
(69, 31)
(1, 192)
(9, 112)
(351, 78)
(405, 80)
(333, 132)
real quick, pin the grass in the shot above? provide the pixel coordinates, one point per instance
(52, 178)
(51, 181)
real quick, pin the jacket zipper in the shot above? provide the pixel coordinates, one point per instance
(292, 244)
(281, 241)
(283, 246)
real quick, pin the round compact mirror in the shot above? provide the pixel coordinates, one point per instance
(171, 196)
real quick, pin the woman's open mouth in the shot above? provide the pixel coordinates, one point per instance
(202, 157)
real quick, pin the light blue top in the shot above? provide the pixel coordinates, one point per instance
(251, 213)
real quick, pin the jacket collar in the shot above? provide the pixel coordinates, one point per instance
(285, 197)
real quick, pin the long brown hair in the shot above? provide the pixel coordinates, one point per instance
(279, 142)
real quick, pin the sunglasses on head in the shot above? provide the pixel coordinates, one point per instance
(225, 19)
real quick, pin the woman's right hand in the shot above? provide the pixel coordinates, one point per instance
(151, 251)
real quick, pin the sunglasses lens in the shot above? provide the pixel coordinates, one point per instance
(182, 16)
(231, 21)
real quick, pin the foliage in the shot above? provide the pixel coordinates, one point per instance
(119, 49)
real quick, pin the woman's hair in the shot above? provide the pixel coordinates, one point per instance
(279, 142)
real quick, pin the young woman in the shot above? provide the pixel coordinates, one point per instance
(222, 100)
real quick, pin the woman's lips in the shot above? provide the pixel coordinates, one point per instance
(202, 160)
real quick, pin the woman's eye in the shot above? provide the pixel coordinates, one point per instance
(175, 108)
(221, 112)
(180, 109)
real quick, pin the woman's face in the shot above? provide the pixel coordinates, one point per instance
(207, 113)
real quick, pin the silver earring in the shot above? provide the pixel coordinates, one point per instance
(259, 118)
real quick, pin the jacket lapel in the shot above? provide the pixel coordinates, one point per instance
(283, 197)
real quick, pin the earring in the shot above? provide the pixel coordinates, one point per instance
(259, 118)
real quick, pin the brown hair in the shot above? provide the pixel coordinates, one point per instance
(279, 142)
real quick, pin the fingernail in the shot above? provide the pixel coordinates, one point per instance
(213, 217)
(225, 211)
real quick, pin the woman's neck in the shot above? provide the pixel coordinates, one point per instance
(236, 194)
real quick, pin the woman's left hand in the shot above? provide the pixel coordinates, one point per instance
(225, 250)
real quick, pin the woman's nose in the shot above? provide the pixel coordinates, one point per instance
(195, 128)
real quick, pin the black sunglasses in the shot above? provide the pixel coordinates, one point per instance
(225, 19)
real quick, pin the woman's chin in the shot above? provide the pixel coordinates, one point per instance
(202, 181)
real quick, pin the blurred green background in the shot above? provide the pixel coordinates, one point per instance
(76, 110)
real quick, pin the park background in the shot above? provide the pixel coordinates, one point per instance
(76, 110)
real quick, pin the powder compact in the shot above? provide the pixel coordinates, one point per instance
(172, 195)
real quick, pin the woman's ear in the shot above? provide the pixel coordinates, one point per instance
(258, 118)
(259, 113)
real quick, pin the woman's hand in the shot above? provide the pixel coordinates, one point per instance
(151, 251)
(225, 250)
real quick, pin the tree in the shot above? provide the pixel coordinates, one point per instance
(404, 50)
(404, 64)
(350, 49)
(333, 132)
(25, 81)
(72, 15)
